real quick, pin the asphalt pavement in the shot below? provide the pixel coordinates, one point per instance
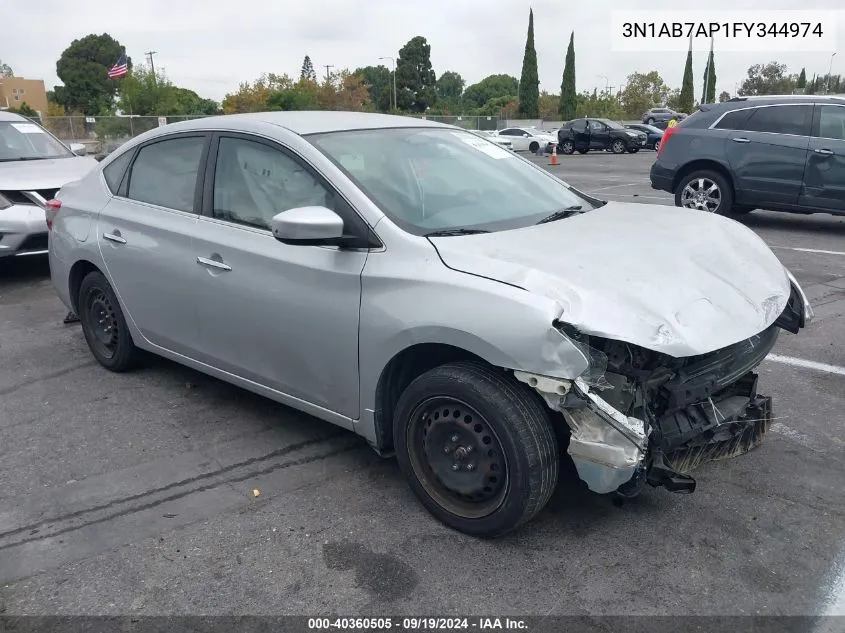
(164, 491)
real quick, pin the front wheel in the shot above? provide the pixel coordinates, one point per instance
(656, 146)
(533, 147)
(705, 190)
(103, 324)
(617, 146)
(567, 147)
(477, 448)
(650, 121)
(633, 150)
(583, 151)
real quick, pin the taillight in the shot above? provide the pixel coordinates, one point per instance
(667, 134)
(52, 209)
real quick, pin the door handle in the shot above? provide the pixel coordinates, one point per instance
(114, 237)
(826, 152)
(213, 263)
(741, 140)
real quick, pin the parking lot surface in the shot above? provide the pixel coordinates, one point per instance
(136, 493)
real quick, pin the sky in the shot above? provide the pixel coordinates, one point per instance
(210, 47)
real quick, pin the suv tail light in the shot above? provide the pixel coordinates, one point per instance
(667, 134)
(52, 209)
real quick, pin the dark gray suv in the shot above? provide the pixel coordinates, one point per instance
(782, 153)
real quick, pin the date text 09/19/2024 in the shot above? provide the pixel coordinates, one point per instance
(418, 624)
(723, 29)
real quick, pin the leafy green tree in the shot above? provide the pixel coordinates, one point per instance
(767, 79)
(379, 81)
(724, 96)
(307, 73)
(593, 104)
(643, 91)
(83, 68)
(6, 70)
(450, 86)
(802, 79)
(415, 80)
(686, 98)
(143, 94)
(491, 87)
(568, 93)
(24, 109)
(708, 93)
(529, 83)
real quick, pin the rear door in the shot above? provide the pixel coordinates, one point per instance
(824, 177)
(145, 236)
(767, 150)
(599, 135)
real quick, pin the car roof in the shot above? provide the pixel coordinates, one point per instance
(305, 122)
(11, 116)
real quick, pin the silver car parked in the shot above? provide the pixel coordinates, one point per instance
(34, 164)
(445, 299)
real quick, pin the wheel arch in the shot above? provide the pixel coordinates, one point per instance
(77, 273)
(697, 165)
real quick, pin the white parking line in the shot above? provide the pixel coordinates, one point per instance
(630, 184)
(807, 364)
(809, 250)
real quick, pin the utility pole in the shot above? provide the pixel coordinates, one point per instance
(327, 71)
(394, 78)
(149, 55)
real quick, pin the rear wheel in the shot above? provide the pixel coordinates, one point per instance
(705, 190)
(103, 324)
(633, 150)
(656, 146)
(650, 121)
(617, 146)
(583, 151)
(477, 448)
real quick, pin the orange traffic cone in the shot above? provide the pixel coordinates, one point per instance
(554, 161)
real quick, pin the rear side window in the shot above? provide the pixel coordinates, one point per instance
(165, 173)
(733, 120)
(788, 119)
(114, 171)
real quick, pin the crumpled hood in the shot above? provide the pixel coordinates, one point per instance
(51, 173)
(669, 279)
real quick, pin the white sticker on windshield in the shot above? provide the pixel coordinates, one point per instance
(488, 147)
(27, 128)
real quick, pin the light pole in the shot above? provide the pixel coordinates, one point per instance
(394, 79)
(829, 69)
(606, 83)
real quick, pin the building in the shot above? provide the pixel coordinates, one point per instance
(14, 91)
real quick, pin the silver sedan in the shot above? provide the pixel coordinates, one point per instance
(446, 299)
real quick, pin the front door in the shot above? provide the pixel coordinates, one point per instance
(824, 177)
(768, 151)
(145, 235)
(281, 315)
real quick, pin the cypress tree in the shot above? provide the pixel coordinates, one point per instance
(802, 79)
(568, 94)
(529, 83)
(686, 98)
(709, 81)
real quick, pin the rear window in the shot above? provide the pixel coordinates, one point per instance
(114, 171)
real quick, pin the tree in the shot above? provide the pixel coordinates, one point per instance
(491, 87)
(595, 104)
(802, 79)
(548, 106)
(708, 93)
(529, 83)
(415, 79)
(568, 94)
(83, 68)
(307, 71)
(6, 70)
(24, 109)
(767, 79)
(450, 86)
(145, 94)
(643, 91)
(685, 99)
(379, 81)
(724, 96)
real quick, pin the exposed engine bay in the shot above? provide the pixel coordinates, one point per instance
(640, 417)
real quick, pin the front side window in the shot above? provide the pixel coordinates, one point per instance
(439, 179)
(25, 140)
(254, 182)
(165, 173)
(787, 119)
(832, 122)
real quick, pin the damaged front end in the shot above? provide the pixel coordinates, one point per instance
(640, 417)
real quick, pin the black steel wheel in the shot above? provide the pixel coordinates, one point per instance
(103, 324)
(477, 448)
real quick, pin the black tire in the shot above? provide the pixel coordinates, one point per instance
(567, 147)
(110, 342)
(650, 121)
(494, 412)
(708, 177)
(583, 151)
(656, 145)
(618, 146)
(533, 147)
(633, 150)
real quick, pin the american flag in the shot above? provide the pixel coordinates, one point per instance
(120, 69)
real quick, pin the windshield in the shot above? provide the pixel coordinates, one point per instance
(613, 125)
(429, 180)
(24, 140)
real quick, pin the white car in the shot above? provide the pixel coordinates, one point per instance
(34, 165)
(491, 136)
(527, 139)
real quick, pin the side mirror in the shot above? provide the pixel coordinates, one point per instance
(315, 226)
(79, 149)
